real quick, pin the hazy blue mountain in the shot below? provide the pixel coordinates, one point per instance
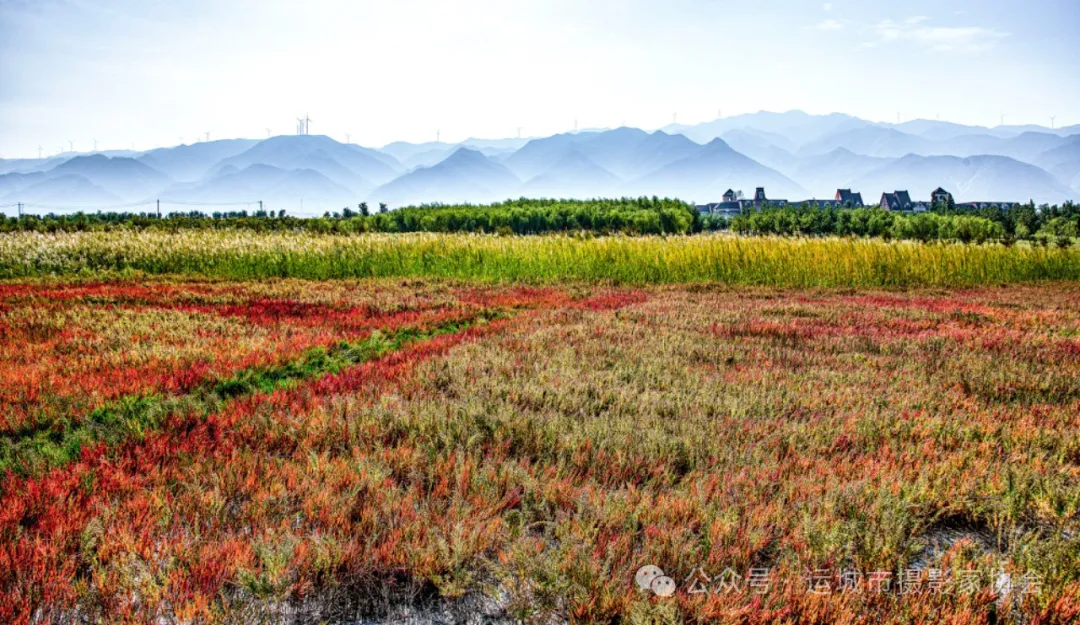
(489, 147)
(625, 152)
(539, 155)
(120, 176)
(655, 152)
(760, 147)
(192, 162)
(291, 152)
(308, 191)
(412, 155)
(797, 127)
(886, 142)
(714, 168)
(1063, 161)
(823, 174)
(9, 183)
(465, 176)
(404, 151)
(1023, 147)
(792, 154)
(935, 130)
(30, 165)
(300, 191)
(231, 185)
(70, 190)
(976, 178)
(574, 176)
(1067, 152)
(869, 141)
(427, 158)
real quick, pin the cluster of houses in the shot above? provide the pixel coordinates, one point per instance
(733, 203)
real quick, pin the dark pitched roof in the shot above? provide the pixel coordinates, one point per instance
(845, 196)
(896, 200)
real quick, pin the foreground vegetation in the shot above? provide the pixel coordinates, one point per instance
(538, 459)
(775, 261)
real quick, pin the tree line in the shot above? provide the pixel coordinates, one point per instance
(633, 216)
(1046, 224)
(523, 216)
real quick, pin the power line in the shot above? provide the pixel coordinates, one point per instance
(186, 203)
(110, 207)
(130, 205)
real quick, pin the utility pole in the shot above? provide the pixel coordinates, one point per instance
(20, 210)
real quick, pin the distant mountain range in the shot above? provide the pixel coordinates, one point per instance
(794, 155)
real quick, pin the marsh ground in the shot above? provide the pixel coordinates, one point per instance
(221, 451)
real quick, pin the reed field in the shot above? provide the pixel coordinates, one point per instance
(183, 450)
(725, 259)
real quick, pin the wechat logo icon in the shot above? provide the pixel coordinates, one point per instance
(653, 579)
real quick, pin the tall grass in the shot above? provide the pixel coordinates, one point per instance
(726, 259)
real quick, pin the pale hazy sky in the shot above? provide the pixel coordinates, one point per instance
(151, 72)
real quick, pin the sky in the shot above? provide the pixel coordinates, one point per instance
(150, 73)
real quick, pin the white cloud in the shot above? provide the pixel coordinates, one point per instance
(827, 6)
(941, 38)
(828, 25)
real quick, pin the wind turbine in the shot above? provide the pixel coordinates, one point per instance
(1052, 118)
(438, 136)
(1003, 119)
(267, 133)
(519, 132)
(307, 124)
(348, 138)
(71, 145)
(95, 145)
(208, 135)
(39, 152)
